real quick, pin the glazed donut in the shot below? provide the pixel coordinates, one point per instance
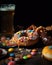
(47, 52)
(25, 37)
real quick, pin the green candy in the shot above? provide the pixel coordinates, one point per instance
(4, 44)
(25, 57)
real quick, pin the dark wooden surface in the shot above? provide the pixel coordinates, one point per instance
(35, 60)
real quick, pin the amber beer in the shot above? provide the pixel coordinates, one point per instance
(7, 18)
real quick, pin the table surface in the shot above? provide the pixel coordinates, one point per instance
(35, 60)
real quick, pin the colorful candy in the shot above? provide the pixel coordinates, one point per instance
(10, 50)
(34, 50)
(50, 47)
(30, 30)
(12, 55)
(12, 63)
(17, 59)
(4, 44)
(29, 56)
(33, 53)
(18, 36)
(25, 57)
(19, 32)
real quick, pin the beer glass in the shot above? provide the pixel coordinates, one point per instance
(7, 12)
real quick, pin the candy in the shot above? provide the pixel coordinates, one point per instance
(33, 53)
(12, 54)
(12, 63)
(4, 44)
(25, 57)
(30, 30)
(28, 50)
(50, 47)
(20, 49)
(18, 36)
(10, 50)
(22, 32)
(29, 56)
(17, 59)
(34, 50)
(22, 40)
(4, 51)
(25, 30)
(19, 32)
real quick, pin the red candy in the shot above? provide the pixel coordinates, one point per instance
(11, 63)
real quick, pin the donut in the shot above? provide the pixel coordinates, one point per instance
(25, 37)
(32, 27)
(47, 52)
(43, 34)
(49, 28)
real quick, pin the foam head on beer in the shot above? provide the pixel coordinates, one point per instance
(7, 7)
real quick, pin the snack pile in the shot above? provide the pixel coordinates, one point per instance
(29, 37)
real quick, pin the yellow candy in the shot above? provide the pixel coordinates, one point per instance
(30, 34)
(10, 50)
(4, 44)
(19, 32)
(33, 50)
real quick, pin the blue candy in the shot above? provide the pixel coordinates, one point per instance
(12, 55)
(22, 31)
(30, 30)
(18, 36)
(50, 47)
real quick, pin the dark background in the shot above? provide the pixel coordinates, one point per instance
(31, 12)
(27, 13)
